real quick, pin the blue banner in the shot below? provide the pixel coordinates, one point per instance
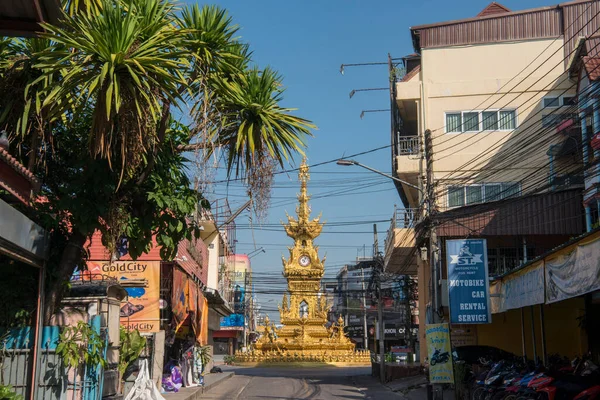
(468, 283)
(232, 321)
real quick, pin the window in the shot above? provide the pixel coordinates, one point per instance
(456, 196)
(453, 122)
(459, 196)
(555, 102)
(510, 190)
(507, 120)
(550, 102)
(476, 121)
(474, 194)
(490, 120)
(471, 121)
(493, 192)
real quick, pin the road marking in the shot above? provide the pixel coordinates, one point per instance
(239, 393)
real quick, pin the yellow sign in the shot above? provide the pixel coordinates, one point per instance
(141, 309)
(440, 353)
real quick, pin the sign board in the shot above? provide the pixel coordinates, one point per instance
(573, 274)
(463, 335)
(233, 322)
(468, 283)
(141, 309)
(439, 353)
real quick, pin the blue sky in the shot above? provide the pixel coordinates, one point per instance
(306, 41)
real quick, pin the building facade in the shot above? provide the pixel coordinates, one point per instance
(482, 140)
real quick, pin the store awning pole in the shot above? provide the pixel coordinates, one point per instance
(533, 336)
(543, 329)
(523, 335)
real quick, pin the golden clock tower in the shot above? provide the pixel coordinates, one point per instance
(305, 335)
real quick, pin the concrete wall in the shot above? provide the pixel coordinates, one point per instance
(479, 77)
(212, 280)
(563, 334)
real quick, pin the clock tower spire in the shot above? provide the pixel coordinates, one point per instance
(306, 334)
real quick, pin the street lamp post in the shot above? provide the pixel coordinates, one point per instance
(346, 162)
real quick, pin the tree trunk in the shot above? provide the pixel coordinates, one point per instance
(71, 257)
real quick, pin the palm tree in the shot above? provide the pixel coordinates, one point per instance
(132, 64)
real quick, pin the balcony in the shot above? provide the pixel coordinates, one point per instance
(407, 153)
(400, 251)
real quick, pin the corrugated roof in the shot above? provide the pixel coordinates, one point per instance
(415, 71)
(553, 213)
(492, 9)
(17, 166)
(592, 67)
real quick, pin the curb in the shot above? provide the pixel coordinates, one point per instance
(226, 376)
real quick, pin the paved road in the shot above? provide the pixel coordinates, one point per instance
(321, 383)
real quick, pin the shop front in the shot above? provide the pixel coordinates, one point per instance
(550, 305)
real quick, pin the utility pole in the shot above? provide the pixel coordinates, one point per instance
(379, 267)
(364, 303)
(433, 240)
(407, 291)
(245, 302)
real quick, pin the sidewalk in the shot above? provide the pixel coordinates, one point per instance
(415, 388)
(193, 393)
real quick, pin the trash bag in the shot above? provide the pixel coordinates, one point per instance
(144, 388)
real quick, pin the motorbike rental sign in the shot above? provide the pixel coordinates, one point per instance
(468, 283)
(439, 353)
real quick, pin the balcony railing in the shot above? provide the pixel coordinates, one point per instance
(407, 145)
(402, 219)
(566, 181)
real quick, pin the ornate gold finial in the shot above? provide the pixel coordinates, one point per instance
(303, 209)
(340, 320)
(302, 227)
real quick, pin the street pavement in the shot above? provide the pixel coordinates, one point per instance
(294, 383)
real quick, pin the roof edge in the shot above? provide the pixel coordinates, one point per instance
(492, 16)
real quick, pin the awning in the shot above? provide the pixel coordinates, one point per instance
(21, 17)
(569, 271)
(225, 334)
(217, 302)
(21, 238)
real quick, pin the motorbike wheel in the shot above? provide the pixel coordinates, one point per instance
(487, 396)
(477, 393)
(499, 395)
(432, 362)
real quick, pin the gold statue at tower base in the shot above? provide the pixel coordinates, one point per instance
(304, 336)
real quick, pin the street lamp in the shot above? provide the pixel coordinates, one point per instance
(362, 114)
(354, 91)
(346, 162)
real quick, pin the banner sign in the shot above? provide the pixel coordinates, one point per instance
(439, 353)
(141, 309)
(523, 288)
(468, 283)
(573, 274)
(232, 322)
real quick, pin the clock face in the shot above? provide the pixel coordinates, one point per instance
(304, 260)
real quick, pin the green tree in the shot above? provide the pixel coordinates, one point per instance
(91, 111)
